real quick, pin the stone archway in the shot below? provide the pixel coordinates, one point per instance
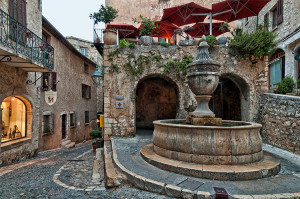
(156, 99)
(16, 117)
(231, 98)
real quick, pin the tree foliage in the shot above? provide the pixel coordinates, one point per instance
(105, 14)
(147, 26)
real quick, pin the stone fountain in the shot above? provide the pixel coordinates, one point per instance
(203, 145)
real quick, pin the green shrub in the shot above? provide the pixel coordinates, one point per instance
(131, 45)
(146, 25)
(298, 83)
(105, 14)
(258, 43)
(211, 40)
(165, 44)
(96, 134)
(285, 86)
(124, 43)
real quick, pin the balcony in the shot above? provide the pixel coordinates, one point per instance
(98, 40)
(21, 48)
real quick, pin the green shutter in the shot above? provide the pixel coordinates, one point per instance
(275, 73)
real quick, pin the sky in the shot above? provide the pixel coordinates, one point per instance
(71, 17)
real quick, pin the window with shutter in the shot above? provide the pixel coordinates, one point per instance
(46, 81)
(72, 119)
(17, 12)
(266, 21)
(54, 81)
(86, 117)
(276, 68)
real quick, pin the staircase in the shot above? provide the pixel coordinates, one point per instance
(67, 144)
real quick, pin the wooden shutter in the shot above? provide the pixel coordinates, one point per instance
(83, 90)
(46, 81)
(279, 12)
(52, 122)
(54, 80)
(90, 91)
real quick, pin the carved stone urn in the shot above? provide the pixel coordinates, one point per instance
(203, 78)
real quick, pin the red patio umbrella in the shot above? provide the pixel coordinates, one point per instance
(125, 30)
(181, 15)
(204, 29)
(232, 10)
(165, 29)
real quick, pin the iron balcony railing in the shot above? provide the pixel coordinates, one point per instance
(19, 39)
(98, 35)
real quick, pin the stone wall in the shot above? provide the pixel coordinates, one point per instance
(13, 83)
(280, 118)
(288, 32)
(250, 79)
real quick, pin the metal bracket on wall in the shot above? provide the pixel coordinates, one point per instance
(5, 58)
(30, 82)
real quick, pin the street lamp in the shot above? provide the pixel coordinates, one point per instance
(97, 76)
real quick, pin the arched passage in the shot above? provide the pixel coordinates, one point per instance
(230, 96)
(156, 99)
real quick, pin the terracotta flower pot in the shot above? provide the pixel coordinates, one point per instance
(110, 37)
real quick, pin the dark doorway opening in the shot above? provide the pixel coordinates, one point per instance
(156, 100)
(64, 126)
(226, 100)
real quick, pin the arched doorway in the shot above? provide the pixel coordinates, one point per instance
(226, 100)
(156, 100)
(14, 119)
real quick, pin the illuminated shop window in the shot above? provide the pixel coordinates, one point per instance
(13, 119)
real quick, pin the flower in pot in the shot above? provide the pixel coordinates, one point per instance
(146, 28)
(98, 140)
(223, 28)
(106, 15)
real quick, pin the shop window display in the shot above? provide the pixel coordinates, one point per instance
(13, 119)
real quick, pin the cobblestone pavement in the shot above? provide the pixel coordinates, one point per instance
(61, 174)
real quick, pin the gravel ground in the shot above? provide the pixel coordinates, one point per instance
(36, 180)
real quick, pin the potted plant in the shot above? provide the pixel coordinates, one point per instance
(97, 40)
(223, 28)
(106, 15)
(98, 141)
(146, 28)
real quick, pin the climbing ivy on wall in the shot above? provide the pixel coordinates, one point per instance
(136, 65)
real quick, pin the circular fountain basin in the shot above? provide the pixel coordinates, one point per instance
(233, 143)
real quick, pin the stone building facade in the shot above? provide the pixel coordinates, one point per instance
(22, 57)
(139, 78)
(281, 17)
(88, 49)
(74, 113)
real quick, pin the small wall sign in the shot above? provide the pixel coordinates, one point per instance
(50, 97)
(119, 97)
(119, 104)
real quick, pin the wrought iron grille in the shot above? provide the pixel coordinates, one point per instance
(98, 35)
(21, 40)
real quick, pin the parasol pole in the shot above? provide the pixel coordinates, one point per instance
(210, 24)
(210, 16)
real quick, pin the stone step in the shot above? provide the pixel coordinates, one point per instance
(71, 145)
(64, 143)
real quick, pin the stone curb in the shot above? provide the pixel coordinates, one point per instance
(60, 183)
(112, 179)
(178, 192)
